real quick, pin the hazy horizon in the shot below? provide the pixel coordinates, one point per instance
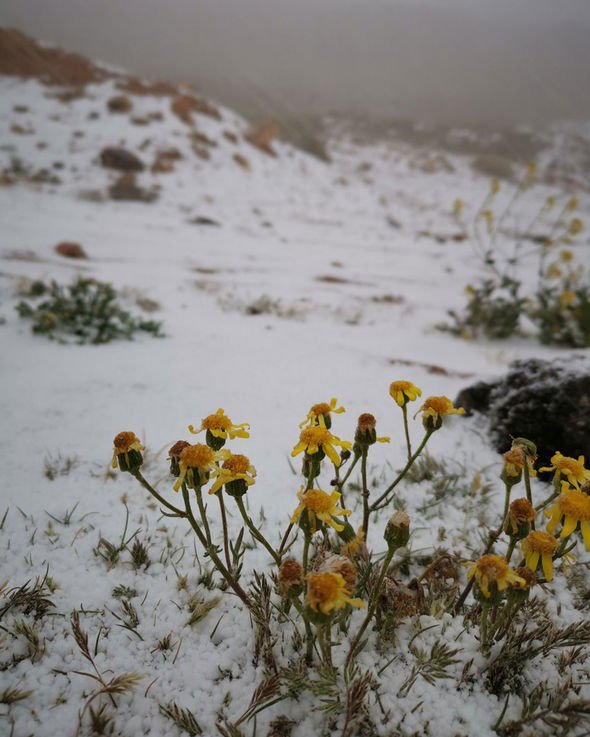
(457, 61)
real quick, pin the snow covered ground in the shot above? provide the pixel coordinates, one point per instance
(320, 280)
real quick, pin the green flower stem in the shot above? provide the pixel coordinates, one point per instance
(256, 534)
(211, 552)
(306, 542)
(372, 607)
(483, 627)
(380, 503)
(224, 529)
(325, 642)
(345, 479)
(407, 430)
(364, 453)
(547, 501)
(203, 513)
(283, 546)
(527, 485)
(309, 635)
(508, 491)
(146, 485)
(511, 546)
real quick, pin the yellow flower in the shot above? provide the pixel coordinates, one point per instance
(355, 546)
(195, 465)
(493, 571)
(574, 507)
(323, 409)
(538, 544)
(127, 451)
(318, 439)
(554, 272)
(327, 592)
(403, 392)
(320, 505)
(572, 204)
(434, 409)
(220, 426)
(566, 256)
(566, 299)
(235, 467)
(495, 186)
(572, 469)
(575, 226)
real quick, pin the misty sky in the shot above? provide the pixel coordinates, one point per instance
(443, 60)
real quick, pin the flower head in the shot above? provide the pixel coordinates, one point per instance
(174, 456)
(219, 428)
(315, 504)
(493, 575)
(403, 392)
(355, 546)
(515, 461)
(520, 515)
(434, 409)
(342, 565)
(573, 507)
(572, 469)
(327, 592)
(317, 439)
(127, 451)
(290, 577)
(195, 465)
(366, 431)
(236, 473)
(538, 544)
(324, 410)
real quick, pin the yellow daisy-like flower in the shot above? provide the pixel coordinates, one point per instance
(323, 409)
(221, 427)
(434, 409)
(492, 571)
(195, 464)
(127, 450)
(235, 467)
(573, 507)
(327, 592)
(366, 430)
(574, 470)
(575, 226)
(318, 438)
(566, 256)
(567, 299)
(540, 545)
(355, 546)
(403, 392)
(320, 505)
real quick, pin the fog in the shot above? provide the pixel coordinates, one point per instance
(455, 61)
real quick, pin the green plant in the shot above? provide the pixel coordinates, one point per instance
(559, 304)
(86, 311)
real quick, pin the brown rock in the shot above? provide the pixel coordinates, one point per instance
(70, 250)
(242, 161)
(120, 104)
(184, 105)
(126, 188)
(120, 159)
(262, 136)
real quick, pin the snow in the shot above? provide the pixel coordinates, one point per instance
(285, 225)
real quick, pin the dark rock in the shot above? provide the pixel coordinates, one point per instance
(547, 402)
(120, 159)
(126, 188)
(202, 220)
(119, 104)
